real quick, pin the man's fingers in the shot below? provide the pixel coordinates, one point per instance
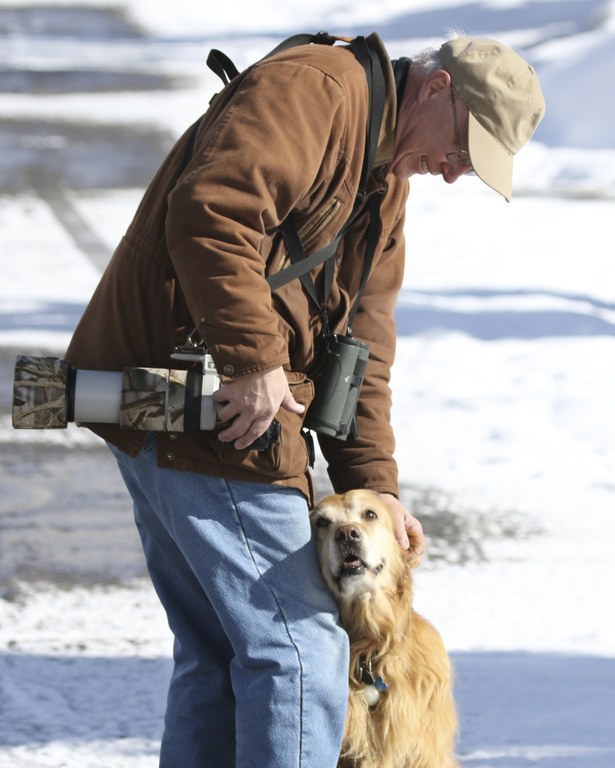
(401, 534)
(290, 404)
(408, 530)
(416, 536)
(417, 541)
(244, 431)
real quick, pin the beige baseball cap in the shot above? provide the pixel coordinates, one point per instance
(504, 100)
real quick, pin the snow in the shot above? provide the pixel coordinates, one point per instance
(503, 386)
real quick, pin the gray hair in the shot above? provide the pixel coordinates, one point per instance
(428, 60)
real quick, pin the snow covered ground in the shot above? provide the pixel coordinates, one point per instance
(503, 382)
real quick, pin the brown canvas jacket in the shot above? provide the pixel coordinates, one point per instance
(286, 136)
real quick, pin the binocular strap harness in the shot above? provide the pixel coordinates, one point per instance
(301, 265)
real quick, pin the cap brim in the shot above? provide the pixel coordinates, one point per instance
(493, 164)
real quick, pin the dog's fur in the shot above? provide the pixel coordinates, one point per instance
(413, 723)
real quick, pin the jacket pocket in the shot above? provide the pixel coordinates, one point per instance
(310, 231)
(286, 458)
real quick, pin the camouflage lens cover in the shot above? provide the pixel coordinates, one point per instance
(153, 399)
(40, 393)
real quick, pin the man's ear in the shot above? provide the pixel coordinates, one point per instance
(433, 84)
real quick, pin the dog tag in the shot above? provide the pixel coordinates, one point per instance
(368, 678)
(370, 695)
(380, 684)
(374, 685)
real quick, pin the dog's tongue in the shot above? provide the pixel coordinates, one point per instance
(351, 563)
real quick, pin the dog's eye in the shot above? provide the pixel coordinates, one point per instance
(369, 514)
(322, 522)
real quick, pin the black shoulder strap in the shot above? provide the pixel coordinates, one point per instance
(374, 230)
(300, 264)
(221, 65)
(376, 84)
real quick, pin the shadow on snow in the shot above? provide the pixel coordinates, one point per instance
(516, 709)
(490, 323)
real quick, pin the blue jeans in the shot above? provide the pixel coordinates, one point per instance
(260, 661)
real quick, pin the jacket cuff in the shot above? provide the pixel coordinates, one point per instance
(374, 476)
(236, 356)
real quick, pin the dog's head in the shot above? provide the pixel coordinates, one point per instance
(358, 552)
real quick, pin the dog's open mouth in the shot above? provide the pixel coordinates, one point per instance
(352, 565)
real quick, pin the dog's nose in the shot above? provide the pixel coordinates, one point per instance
(347, 533)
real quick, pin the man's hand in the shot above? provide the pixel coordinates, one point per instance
(251, 402)
(408, 530)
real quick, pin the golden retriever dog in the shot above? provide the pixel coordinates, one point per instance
(401, 712)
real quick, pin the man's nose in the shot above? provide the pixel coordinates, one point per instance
(450, 172)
